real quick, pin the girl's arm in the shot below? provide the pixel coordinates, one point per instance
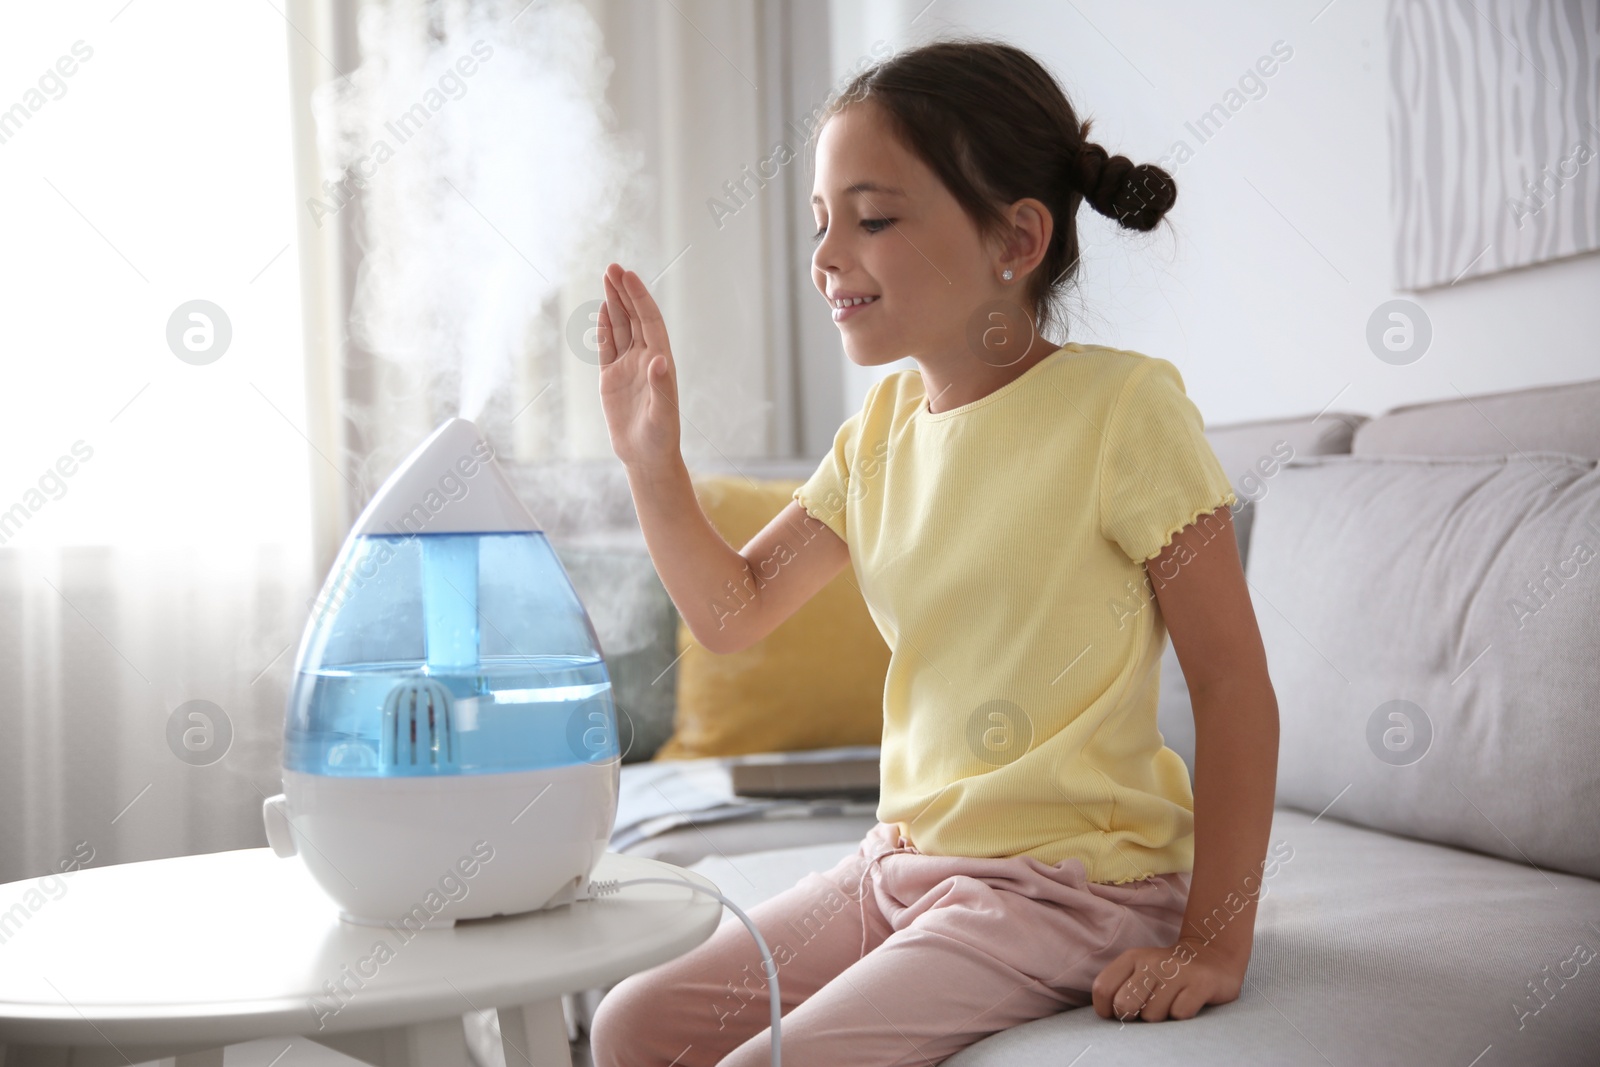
(1205, 603)
(730, 600)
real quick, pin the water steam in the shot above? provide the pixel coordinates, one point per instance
(474, 136)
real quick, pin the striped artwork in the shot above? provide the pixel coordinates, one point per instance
(1494, 135)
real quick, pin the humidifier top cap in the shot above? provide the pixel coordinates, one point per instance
(449, 484)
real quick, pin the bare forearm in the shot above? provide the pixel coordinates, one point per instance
(1236, 767)
(710, 582)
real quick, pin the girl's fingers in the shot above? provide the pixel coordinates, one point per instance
(635, 316)
(608, 351)
(628, 303)
(645, 312)
(622, 337)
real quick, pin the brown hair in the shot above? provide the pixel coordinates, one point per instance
(995, 127)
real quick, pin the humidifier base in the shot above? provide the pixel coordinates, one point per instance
(415, 852)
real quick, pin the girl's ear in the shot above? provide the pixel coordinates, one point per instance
(1031, 227)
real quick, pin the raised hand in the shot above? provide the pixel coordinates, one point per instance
(638, 379)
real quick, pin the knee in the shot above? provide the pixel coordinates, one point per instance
(631, 1026)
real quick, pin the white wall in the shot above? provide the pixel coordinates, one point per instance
(1260, 285)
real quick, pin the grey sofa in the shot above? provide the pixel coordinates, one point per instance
(1426, 593)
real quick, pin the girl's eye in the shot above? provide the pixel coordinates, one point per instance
(879, 223)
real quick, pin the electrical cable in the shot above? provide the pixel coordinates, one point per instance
(607, 886)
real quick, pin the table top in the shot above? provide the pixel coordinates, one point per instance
(232, 946)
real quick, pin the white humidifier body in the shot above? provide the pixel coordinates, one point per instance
(450, 745)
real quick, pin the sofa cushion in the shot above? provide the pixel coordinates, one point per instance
(1429, 626)
(1369, 948)
(1550, 418)
(1252, 454)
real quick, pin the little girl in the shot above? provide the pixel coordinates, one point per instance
(1026, 521)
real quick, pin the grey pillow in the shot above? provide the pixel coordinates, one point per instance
(1254, 452)
(1430, 628)
(1556, 418)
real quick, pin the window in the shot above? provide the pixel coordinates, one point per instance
(145, 160)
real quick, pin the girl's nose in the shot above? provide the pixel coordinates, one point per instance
(826, 257)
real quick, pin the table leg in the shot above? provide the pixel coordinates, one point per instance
(535, 1035)
(438, 1043)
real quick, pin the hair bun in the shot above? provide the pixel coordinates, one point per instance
(1136, 196)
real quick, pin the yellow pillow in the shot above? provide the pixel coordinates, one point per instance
(814, 682)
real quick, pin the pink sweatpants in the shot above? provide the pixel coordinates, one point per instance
(891, 957)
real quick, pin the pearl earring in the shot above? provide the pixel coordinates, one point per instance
(1006, 276)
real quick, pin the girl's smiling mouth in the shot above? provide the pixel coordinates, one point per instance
(848, 308)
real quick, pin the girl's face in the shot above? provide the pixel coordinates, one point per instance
(890, 229)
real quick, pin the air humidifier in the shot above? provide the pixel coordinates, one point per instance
(450, 745)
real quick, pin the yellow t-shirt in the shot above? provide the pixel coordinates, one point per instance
(1000, 549)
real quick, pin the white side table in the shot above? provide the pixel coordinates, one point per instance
(180, 957)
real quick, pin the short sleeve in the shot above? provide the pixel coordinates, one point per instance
(823, 495)
(1158, 472)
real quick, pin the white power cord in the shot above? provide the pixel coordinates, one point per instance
(607, 886)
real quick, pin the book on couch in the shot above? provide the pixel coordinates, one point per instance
(780, 775)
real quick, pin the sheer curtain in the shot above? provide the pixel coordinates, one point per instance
(154, 542)
(693, 124)
(196, 418)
